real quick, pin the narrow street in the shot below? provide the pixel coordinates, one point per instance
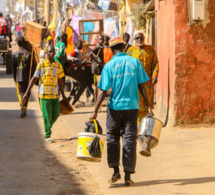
(182, 163)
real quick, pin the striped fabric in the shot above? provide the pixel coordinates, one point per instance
(115, 41)
(49, 74)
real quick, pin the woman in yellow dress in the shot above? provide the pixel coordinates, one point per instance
(147, 56)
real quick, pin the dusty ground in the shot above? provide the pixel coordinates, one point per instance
(182, 163)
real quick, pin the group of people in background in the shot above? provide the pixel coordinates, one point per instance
(128, 72)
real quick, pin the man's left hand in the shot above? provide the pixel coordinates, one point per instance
(150, 111)
(154, 80)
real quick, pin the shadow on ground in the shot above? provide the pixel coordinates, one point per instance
(181, 182)
(26, 166)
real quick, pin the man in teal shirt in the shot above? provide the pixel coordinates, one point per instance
(125, 75)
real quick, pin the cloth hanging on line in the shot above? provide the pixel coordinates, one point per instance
(75, 25)
(130, 30)
(93, 15)
(70, 46)
(109, 26)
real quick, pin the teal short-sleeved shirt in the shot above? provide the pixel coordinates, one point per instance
(60, 50)
(123, 73)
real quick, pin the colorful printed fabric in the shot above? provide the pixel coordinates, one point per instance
(60, 51)
(70, 46)
(75, 25)
(107, 55)
(49, 74)
(148, 59)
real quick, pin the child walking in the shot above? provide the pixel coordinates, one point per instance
(49, 72)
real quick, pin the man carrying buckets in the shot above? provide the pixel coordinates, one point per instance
(125, 75)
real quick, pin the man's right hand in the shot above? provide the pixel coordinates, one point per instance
(93, 116)
(70, 62)
(24, 99)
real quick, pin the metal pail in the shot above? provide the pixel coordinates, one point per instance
(150, 126)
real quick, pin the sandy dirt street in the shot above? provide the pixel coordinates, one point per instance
(182, 163)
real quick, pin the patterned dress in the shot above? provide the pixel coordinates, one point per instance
(148, 59)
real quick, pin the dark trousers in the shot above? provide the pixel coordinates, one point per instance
(122, 122)
(21, 89)
(89, 91)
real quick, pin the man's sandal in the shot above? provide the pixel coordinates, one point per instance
(114, 178)
(129, 183)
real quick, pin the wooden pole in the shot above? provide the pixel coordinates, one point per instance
(35, 10)
(32, 56)
(47, 11)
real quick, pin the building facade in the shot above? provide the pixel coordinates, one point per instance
(185, 48)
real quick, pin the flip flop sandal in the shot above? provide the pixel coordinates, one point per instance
(114, 178)
(129, 183)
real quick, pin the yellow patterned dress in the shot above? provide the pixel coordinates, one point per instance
(148, 58)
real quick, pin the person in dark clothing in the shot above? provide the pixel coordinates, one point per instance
(126, 38)
(21, 66)
(125, 75)
(97, 58)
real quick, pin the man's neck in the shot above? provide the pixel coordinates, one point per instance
(100, 46)
(51, 60)
(118, 51)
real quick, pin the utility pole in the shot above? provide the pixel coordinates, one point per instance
(47, 11)
(35, 10)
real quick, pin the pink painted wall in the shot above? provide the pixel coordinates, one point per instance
(165, 51)
(194, 67)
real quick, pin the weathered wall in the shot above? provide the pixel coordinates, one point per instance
(194, 66)
(165, 50)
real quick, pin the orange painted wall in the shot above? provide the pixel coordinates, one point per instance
(166, 56)
(195, 66)
(191, 51)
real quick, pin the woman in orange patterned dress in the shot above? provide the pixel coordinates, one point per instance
(147, 56)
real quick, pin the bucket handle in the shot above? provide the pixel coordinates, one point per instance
(150, 115)
(96, 126)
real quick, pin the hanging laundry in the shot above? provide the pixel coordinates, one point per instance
(58, 25)
(70, 46)
(52, 26)
(74, 2)
(93, 15)
(130, 30)
(108, 5)
(75, 25)
(116, 29)
(109, 26)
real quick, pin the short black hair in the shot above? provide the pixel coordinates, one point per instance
(1, 14)
(106, 36)
(100, 36)
(77, 42)
(20, 41)
(126, 35)
(62, 35)
(49, 47)
(119, 47)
